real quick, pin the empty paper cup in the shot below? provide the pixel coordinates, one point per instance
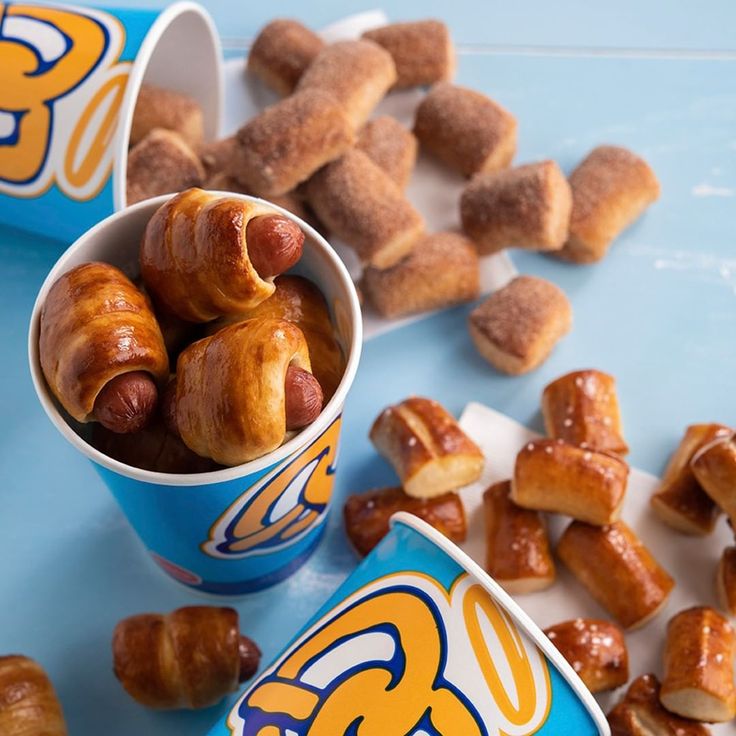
(418, 641)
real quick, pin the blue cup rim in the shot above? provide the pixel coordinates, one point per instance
(517, 613)
(329, 413)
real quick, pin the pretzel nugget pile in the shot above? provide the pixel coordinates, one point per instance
(215, 360)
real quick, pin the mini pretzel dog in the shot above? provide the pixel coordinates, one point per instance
(517, 547)
(524, 207)
(466, 130)
(161, 163)
(391, 146)
(356, 73)
(190, 658)
(427, 447)
(223, 256)
(726, 581)
(617, 570)
(367, 515)
(552, 475)
(286, 143)
(516, 328)
(363, 207)
(164, 108)
(641, 714)
(281, 53)
(582, 408)
(28, 703)
(422, 51)
(610, 190)
(101, 350)
(679, 500)
(441, 270)
(714, 466)
(595, 649)
(698, 666)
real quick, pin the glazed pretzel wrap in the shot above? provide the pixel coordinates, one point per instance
(194, 256)
(230, 398)
(95, 325)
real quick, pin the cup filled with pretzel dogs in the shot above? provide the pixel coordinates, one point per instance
(198, 348)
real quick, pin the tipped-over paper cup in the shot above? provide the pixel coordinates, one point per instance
(239, 529)
(418, 641)
(69, 80)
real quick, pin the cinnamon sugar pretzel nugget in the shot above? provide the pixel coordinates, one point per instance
(442, 270)
(525, 207)
(516, 328)
(281, 53)
(164, 108)
(289, 141)
(610, 189)
(466, 130)
(161, 163)
(390, 145)
(362, 206)
(216, 155)
(357, 73)
(422, 51)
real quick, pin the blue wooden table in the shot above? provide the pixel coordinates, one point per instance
(659, 313)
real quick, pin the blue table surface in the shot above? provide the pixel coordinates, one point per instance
(659, 313)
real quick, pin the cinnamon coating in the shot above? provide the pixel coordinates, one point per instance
(367, 515)
(714, 466)
(698, 666)
(216, 156)
(595, 649)
(422, 51)
(517, 546)
(641, 714)
(161, 163)
(298, 300)
(617, 570)
(679, 499)
(95, 326)
(286, 143)
(611, 188)
(525, 207)
(230, 402)
(442, 270)
(356, 73)
(189, 658)
(582, 408)
(363, 207)
(157, 107)
(195, 258)
(28, 702)
(391, 146)
(466, 130)
(281, 53)
(516, 328)
(427, 447)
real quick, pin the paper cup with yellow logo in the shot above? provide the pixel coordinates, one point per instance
(418, 641)
(239, 529)
(69, 79)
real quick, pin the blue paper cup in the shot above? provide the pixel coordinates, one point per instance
(244, 528)
(69, 79)
(418, 641)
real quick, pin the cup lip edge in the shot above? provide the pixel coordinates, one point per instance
(164, 18)
(329, 413)
(520, 616)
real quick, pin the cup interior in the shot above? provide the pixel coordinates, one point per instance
(165, 60)
(116, 241)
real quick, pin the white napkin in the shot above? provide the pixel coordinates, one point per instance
(690, 560)
(433, 189)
